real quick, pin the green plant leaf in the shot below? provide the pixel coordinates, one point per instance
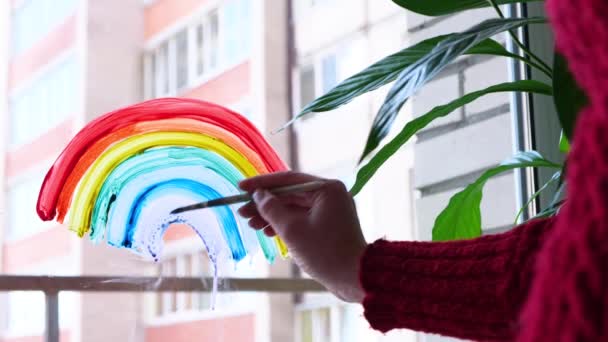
(412, 78)
(569, 98)
(556, 203)
(386, 71)
(564, 144)
(556, 177)
(411, 128)
(461, 219)
(443, 7)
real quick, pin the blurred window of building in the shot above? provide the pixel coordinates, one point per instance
(181, 59)
(330, 72)
(25, 313)
(337, 322)
(193, 264)
(45, 102)
(33, 19)
(206, 44)
(22, 198)
(322, 72)
(236, 30)
(201, 49)
(307, 85)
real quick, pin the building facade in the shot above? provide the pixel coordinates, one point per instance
(64, 62)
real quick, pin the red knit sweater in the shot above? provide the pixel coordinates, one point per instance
(543, 281)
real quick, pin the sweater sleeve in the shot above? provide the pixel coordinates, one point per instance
(569, 297)
(469, 289)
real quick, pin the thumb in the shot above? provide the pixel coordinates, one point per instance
(271, 208)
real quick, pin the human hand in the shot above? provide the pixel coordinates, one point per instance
(320, 227)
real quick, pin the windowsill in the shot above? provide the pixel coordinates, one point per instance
(8, 335)
(205, 78)
(194, 315)
(43, 228)
(15, 146)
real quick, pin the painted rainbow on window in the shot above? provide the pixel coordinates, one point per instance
(123, 173)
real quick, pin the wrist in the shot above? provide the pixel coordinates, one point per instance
(351, 290)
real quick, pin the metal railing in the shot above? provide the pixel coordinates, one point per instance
(51, 286)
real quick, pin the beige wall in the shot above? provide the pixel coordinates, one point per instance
(112, 37)
(271, 103)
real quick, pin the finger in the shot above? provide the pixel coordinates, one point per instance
(303, 199)
(332, 189)
(273, 180)
(248, 210)
(272, 209)
(269, 232)
(258, 223)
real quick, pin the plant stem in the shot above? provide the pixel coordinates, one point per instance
(534, 65)
(539, 62)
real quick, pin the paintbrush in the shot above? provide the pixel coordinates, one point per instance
(246, 197)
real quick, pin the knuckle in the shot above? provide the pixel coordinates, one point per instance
(267, 205)
(336, 185)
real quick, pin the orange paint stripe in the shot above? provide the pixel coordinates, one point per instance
(54, 43)
(170, 125)
(226, 89)
(163, 13)
(50, 243)
(48, 145)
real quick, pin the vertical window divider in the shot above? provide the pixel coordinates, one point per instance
(192, 51)
(172, 66)
(180, 271)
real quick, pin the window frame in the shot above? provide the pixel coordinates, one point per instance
(190, 24)
(316, 62)
(535, 122)
(67, 59)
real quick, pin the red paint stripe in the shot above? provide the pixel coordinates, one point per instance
(48, 244)
(58, 40)
(152, 110)
(164, 13)
(236, 328)
(226, 89)
(44, 147)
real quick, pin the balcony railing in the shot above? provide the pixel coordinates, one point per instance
(51, 286)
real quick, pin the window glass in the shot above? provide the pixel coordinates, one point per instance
(306, 334)
(330, 72)
(220, 38)
(195, 264)
(44, 104)
(235, 27)
(25, 312)
(162, 70)
(182, 59)
(307, 85)
(35, 18)
(200, 48)
(213, 48)
(22, 203)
